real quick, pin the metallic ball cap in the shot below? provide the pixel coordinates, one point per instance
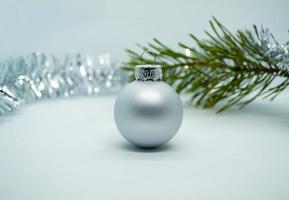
(148, 73)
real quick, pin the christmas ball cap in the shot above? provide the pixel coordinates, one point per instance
(148, 72)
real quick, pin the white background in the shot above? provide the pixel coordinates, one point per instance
(70, 149)
(99, 26)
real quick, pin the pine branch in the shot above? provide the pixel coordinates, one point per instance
(226, 69)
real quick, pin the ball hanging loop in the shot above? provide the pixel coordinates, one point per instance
(148, 72)
(151, 53)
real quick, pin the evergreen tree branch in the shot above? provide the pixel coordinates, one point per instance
(226, 69)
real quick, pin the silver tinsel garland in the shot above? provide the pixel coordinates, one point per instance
(40, 76)
(278, 53)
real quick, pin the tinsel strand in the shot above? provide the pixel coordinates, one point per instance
(40, 76)
(278, 53)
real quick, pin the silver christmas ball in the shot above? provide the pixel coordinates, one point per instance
(148, 112)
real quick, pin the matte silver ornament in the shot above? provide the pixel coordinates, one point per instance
(148, 112)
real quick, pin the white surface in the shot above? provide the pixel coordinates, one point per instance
(70, 149)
